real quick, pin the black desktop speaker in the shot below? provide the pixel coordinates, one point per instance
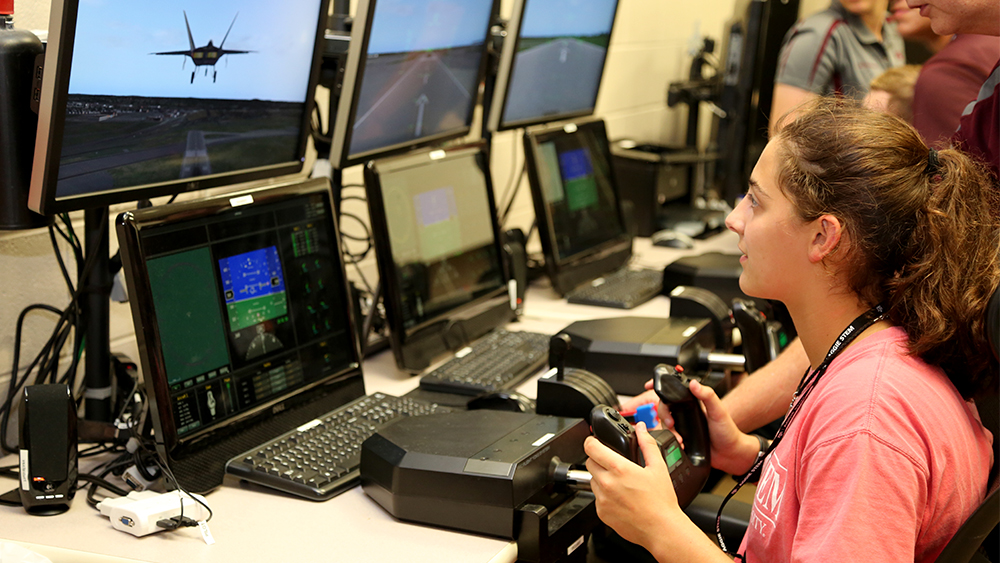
(18, 51)
(47, 468)
(517, 262)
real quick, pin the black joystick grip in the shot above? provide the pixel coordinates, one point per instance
(689, 420)
(614, 431)
(670, 386)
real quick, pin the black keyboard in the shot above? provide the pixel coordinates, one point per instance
(500, 360)
(622, 289)
(321, 458)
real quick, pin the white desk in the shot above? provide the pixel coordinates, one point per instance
(253, 524)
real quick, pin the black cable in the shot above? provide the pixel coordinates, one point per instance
(49, 369)
(97, 481)
(353, 256)
(513, 196)
(169, 475)
(55, 248)
(510, 181)
(15, 383)
(102, 483)
(42, 357)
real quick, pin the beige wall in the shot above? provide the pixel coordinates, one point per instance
(649, 49)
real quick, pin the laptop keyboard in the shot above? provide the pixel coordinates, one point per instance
(500, 360)
(321, 458)
(623, 289)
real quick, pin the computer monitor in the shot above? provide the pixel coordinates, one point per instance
(753, 39)
(242, 318)
(412, 76)
(577, 204)
(551, 61)
(144, 99)
(438, 246)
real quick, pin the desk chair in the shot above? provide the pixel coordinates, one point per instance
(978, 540)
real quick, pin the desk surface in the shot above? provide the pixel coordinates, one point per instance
(252, 523)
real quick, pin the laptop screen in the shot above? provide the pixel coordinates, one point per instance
(240, 306)
(437, 242)
(576, 200)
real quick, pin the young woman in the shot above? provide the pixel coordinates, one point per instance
(885, 253)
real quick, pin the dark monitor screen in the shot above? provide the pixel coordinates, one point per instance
(412, 76)
(240, 305)
(552, 61)
(439, 256)
(141, 99)
(577, 204)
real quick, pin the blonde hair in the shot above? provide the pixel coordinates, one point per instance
(898, 82)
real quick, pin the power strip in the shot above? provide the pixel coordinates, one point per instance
(141, 512)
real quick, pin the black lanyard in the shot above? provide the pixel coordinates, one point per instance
(809, 380)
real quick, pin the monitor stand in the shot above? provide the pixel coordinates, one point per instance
(95, 312)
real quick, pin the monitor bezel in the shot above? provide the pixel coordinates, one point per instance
(414, 347)
(567, 273)
(348, 103)
(505, 70)
(42, 194)
(130, 226)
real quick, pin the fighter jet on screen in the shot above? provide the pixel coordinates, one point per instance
(207, 55)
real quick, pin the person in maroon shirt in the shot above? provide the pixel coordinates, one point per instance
(950, 79)
(979, 128)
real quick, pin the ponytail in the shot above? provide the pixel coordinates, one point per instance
(939, 297)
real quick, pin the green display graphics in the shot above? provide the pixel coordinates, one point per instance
(187, 305)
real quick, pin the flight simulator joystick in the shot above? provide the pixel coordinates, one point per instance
(615, 432)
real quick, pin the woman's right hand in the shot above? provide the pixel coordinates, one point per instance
(732, 450)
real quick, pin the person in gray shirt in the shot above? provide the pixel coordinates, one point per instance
(837, 51)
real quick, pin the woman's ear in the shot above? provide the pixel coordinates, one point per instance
(826, 238)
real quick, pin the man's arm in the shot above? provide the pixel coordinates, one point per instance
(765, 394)
(786, 99)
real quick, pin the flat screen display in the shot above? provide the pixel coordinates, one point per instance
(441, 235)
(579, 197)
(552, 62)
(242, 306)
(151, 98)
(412, 76)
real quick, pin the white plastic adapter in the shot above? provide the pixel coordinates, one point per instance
(139, 512)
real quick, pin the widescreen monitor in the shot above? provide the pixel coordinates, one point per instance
(143, 99)
(551, 62)
(412, 76)
(439, 252)
(577, 204)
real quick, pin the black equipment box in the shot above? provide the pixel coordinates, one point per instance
(714, 271)
(625, 350)
(484, 471)
(651, 176)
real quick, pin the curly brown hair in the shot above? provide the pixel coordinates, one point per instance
(923, 227)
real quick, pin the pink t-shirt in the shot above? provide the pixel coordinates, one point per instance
(884, 463)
